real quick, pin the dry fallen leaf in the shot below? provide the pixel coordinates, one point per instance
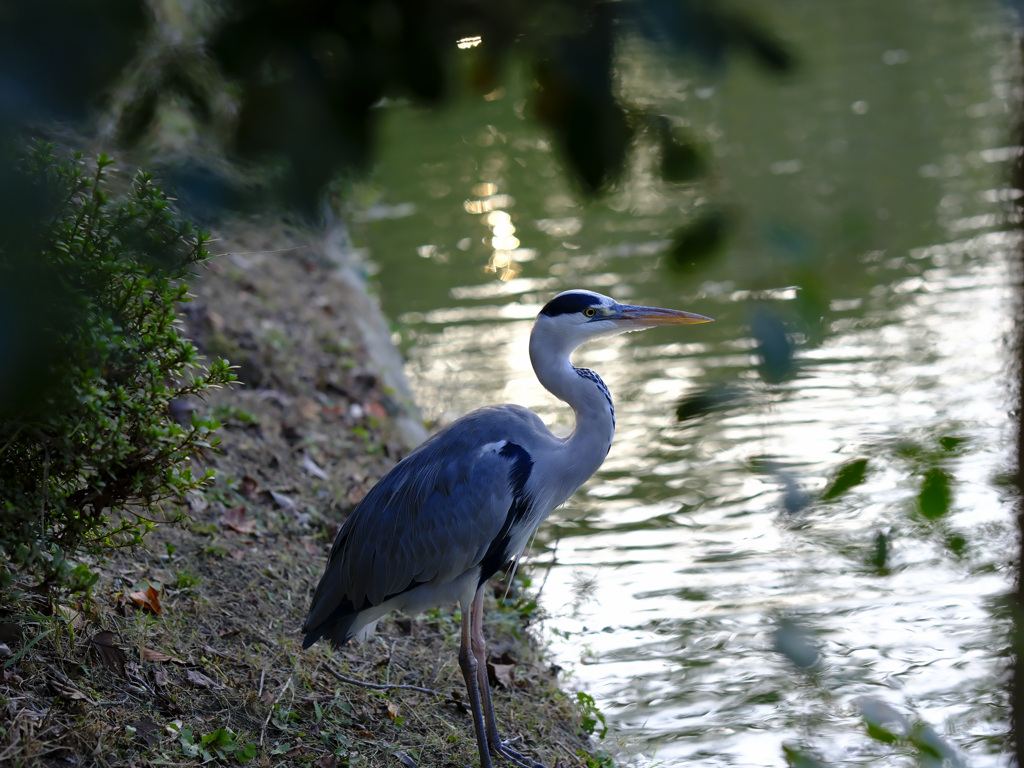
(404, 625)
(312, 548)
(311, 466)
(356, 494)
(113, 658)
(148, 600)
(160, 576)
(199, 680)
(74, 618)
(150, 655)
(392, 710)
(281, 500)
(67, 691)
(10, 633)
(237, 519)
(377, 410)
(147, 732)
(214, 652)
(309, 409)
(160, 677)
(502, 675)
(248, 487)
(197, 502)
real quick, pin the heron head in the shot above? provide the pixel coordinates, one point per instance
(577, 316)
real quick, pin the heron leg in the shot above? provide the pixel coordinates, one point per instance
(469, 664)
(479, 648)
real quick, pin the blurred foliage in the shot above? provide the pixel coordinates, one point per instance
(713, 398)
(308, 76)
(92, 367)
(700, 240)
(311, 73)
(908, 736)
(936, 494)
(878, 557)
(801, 757)
(593, 723)
(850, 474)
(924, 466)
(682, 159)
(59, 58)
(775, 348)
(794, 641)
(892, 734)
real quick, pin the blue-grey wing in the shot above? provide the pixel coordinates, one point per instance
(436, 515)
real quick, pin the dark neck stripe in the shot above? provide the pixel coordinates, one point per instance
(592, 376)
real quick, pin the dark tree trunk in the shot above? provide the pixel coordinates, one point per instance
(1017, 357)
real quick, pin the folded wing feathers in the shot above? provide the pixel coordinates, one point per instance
(430, 519)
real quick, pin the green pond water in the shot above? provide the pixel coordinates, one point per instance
(866, 196)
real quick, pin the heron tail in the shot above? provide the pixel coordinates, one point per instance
(337, 630)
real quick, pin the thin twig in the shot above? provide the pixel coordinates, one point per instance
(270, 714)
(547, 571)
(378, 687)
(138, 680)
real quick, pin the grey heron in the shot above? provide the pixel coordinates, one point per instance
(465, 503)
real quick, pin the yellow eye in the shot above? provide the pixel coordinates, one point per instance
(590, 312)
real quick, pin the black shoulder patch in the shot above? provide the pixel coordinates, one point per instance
(522, 466)
(569, 303)
(497, 554)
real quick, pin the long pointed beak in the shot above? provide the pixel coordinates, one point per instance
(646, 317)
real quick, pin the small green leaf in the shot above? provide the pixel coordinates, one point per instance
(879, 559)
(700, 240)
(800, 757)
(245, 752)
(849, 475)
(879, 733)
(956, 544)
(591, 716)
(951, 443)
(936, 494)
(681, 161)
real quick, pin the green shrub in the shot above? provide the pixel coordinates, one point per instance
(92, 366)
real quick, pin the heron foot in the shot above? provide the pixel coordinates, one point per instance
(517, 758)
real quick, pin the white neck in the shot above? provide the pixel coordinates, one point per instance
(585, 449)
